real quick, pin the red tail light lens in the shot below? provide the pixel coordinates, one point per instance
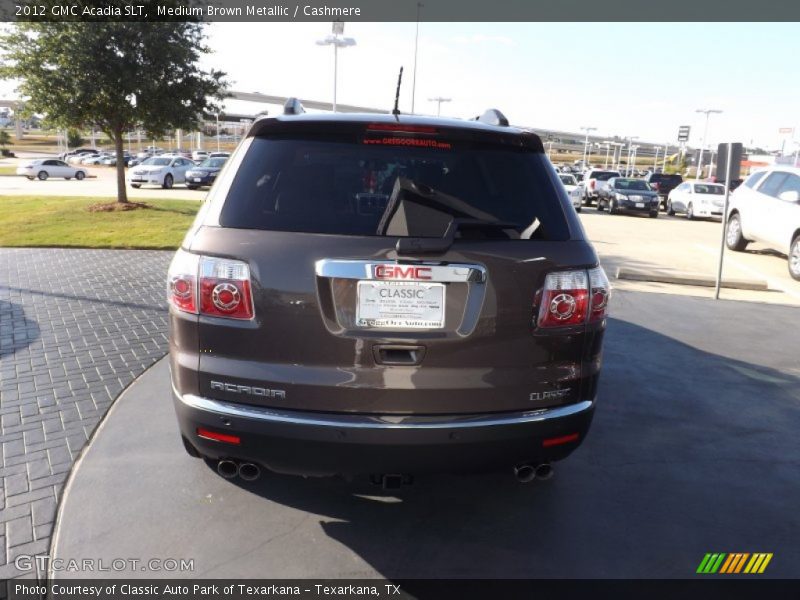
(564, 300)
(225, 288)
(592, 183)
(600, 294)
(182, 281)
(573, 298)
(218, 287)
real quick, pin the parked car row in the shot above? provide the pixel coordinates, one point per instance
(167, 169)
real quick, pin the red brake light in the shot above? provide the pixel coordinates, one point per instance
(600, 294)
(557, 441)
(401, 128)
(573, 298)
(592, 183)
(564, 300)
(217, 287)
(225, 288)
(182, 282)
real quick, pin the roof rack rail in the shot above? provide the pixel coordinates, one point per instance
(493, 117)
(293, 106)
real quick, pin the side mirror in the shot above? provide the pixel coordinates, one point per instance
(789, 196)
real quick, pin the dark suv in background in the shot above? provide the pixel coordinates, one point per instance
(385, 295)
(663, 183)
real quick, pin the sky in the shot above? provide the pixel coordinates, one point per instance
(637, 79)
(627, 79)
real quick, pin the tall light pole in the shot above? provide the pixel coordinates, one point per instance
(416, 48)
(655, 160)
(438, 101)
(586, 142)
(632, 168)
(707, 112)
(607, 144)
(337, 41)
(217, 132)
(628, 166)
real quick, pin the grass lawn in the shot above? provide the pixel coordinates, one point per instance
(31, 221)
(8, 170)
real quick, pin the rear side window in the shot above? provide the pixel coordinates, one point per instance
(753, 180)
(773, 183)
(344, 187)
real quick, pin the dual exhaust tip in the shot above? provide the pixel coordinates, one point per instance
(246, 471)
(527, 473)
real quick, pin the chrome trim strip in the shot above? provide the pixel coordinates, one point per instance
(272, 415)
(365, 269)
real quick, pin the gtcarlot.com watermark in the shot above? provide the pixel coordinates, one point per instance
(43, 564)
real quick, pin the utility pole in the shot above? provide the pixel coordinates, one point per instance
(707, 112)
(438, 100)
(586, 142)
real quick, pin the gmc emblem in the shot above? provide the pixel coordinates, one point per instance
(402, 272)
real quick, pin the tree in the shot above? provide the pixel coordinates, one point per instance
(114, 75)
(5, 139)
(74, 138)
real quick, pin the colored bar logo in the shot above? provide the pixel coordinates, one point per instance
(734, 563)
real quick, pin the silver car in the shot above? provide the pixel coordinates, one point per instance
(766, 209)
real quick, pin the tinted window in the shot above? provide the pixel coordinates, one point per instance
(709, 189)
(568, 180)
(631, 184)
(159, 162)
(772, 184)
(603, 175)
(213, 163)
(790, 184)
(754, 179)
(344, 188)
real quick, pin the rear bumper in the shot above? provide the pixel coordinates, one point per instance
(327, 444)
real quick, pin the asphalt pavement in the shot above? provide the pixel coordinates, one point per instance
(694, 449)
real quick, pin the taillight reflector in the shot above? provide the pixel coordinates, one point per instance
(218, 437)
(557, 441)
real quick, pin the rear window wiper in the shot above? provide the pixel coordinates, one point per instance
(417, 245)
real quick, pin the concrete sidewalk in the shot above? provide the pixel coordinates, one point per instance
(694, 449)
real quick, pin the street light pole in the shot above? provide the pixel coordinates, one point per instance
(707, 112)
(608, 148)
(217, 132)
(586, 142)
(337, 42)
(438, 100)
(628, 166)
(414, 75)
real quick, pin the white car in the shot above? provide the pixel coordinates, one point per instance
(766, 209)
(96, 160)
(160, 170)
(50, 167)
(571, 184)
(77, 159)
(697, 199)
(199, 155)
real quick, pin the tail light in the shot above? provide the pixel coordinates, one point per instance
(654, 185)
(225, 288)
(592, 183)
(182, 281)
(600, 293)
(217, 287)
(573, 298)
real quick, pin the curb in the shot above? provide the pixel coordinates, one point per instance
(689, 279)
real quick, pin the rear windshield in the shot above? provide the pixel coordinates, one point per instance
(661, 178)
(604, 175)
(631, 184)
(346, 188)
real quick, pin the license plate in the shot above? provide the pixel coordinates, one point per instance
(400, 305)
(197, 180)
(640, 205)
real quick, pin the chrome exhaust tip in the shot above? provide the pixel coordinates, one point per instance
(227, 469)
(544, 471)
(525, 473)
(249, 471)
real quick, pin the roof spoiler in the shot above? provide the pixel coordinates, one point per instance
(493, 117)
(293, 106)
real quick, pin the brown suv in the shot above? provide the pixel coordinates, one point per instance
(385, 295)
